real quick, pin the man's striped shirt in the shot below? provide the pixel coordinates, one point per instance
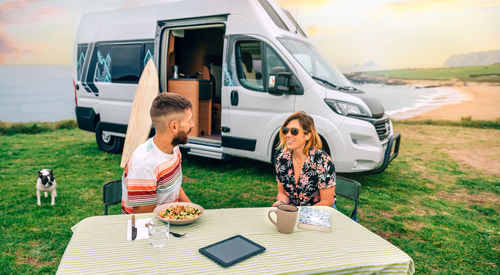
(151, 177)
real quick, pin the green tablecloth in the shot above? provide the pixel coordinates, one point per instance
(99, 246)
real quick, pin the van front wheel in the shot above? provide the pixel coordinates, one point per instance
(107, 142)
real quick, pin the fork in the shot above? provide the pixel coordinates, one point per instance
(177, 235)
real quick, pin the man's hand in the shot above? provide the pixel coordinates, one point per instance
(182, 196)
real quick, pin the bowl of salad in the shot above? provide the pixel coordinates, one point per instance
(178, 213)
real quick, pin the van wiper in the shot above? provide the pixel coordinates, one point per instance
(350, 88)
(325, 82)
(329, 83)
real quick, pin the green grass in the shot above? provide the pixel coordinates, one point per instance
(464, 122)
(441, 211)
(10, 128)
(489, 73)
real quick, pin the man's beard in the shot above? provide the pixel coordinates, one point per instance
(181, 138)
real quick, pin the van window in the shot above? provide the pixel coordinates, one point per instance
(118, 62)
(297, 27)
(103, 63)
(80, 59)
(274, 15)
(249, 64)
(148, 52)
(255, 60)
(272, 59)
(126, 66)
(312, 61)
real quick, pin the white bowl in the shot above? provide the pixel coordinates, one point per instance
(178, 222)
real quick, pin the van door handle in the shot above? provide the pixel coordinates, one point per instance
(234, 97)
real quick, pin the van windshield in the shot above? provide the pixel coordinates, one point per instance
(312, 61)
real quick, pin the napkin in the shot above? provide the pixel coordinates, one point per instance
(142, 230)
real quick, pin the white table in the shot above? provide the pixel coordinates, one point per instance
(99, 246)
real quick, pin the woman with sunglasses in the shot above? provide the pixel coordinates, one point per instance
(305, 173)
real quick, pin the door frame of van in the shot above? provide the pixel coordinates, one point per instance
(184, 23)
(201, 147)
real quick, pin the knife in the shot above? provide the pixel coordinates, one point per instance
(134, 229)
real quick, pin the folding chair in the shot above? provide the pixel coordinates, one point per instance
(349, 189)
(111, 194)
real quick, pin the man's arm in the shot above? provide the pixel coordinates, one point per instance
(140, 190)
(182, 196)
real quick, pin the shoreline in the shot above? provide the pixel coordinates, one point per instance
(477, 100)
(482, 104)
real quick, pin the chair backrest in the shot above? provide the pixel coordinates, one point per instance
(349, 189)
(111, 194)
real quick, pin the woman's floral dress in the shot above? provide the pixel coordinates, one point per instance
(317, 173)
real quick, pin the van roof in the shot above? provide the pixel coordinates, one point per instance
(140, 22)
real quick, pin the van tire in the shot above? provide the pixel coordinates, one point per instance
(324, 146)
(108, 143)
(275, 152)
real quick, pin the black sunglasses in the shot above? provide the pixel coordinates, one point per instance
(294, 131)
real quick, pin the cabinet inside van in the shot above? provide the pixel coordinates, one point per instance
(192, 67)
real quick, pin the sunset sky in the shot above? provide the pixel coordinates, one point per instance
(390, 33)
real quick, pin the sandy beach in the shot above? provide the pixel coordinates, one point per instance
(484, 103)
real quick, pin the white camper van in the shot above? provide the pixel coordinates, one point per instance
(245, 65)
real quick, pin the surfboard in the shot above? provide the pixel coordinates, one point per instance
(139, 123)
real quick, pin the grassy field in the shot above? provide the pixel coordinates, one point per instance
(467, 73)
(435, 201)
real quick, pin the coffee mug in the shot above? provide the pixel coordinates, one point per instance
(286, 217)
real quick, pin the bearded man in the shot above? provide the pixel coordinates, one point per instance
(153, 174)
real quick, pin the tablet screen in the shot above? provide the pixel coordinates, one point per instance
(232, 250)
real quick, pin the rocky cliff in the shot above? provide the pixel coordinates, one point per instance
(472, 59)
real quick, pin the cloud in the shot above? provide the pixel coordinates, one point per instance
(307, 5)
(316, 31)
(23, 12)
(10, 49)
(16, 4)
(47, 12)
(426, 5)
(16, 12)
(9, 11)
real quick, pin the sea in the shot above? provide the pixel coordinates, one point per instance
(45, 94)
(36, 93)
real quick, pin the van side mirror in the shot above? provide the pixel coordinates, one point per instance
(280, 81)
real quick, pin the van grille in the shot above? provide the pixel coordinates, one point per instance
(383, 128)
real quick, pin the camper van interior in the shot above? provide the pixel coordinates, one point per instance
(193, 67)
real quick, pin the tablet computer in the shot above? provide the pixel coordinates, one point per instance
(232, 250)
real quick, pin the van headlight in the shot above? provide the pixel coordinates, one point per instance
(346, 108)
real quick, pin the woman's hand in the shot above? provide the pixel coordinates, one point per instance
(282, 197)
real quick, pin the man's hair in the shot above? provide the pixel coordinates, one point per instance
(166, 104)
(307, 124)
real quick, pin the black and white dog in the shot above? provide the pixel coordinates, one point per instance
(46, 182)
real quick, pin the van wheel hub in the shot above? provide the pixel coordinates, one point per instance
(106, 137)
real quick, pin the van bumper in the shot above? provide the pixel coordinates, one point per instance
(389, 154)
(85, 118)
